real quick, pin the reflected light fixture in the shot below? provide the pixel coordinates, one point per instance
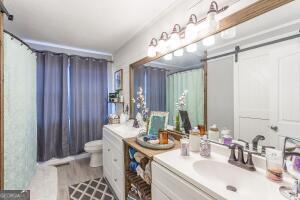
(191, 30)
(178, 52)
(152, 48)
(168, 56)
(191, 48)
(162, 45)
(228, 33)
(212, 22)
(175, 37)
(211, 16)
(209, 41)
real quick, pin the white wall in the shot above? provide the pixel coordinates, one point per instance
(220, 108)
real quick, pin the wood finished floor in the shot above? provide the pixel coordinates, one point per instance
(72, 173)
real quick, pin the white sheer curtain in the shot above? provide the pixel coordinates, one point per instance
(20, 139)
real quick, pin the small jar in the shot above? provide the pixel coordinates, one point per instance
(201, 129)
(213, 133)
(274, 165)
(296, 164)
(163, 137)
(195, 140)
(184, 146)
(205, 148)
(226, 136)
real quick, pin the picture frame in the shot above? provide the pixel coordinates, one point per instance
(158, 120)
(118, 80)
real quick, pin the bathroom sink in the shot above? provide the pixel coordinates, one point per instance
(229, 177)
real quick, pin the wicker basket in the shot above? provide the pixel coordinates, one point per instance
(114, 120)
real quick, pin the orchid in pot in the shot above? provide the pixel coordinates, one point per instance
(142, 111)
(180, 106)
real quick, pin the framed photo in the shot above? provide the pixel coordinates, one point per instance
(158, 120)
(119, 79)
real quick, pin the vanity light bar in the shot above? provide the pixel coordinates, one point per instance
(189, 32)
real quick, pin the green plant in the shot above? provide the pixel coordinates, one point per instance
(177, 122)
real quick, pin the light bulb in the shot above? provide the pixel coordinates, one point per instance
(229, 33)
(191, 48)
(178, 52)
(209, 41)
(191, 32)
(174, 41)
(212, 23)
(151, 51)
(162, 46)
(168, 56)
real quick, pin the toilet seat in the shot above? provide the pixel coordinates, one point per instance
(94, 145)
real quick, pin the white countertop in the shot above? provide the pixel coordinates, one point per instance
(125, 130)
(209, 183)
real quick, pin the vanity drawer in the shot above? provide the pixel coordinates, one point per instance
(115, 140)
(118, 181)
(117, 159)
(174, 187)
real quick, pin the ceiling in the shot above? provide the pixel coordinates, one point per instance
(98, 25)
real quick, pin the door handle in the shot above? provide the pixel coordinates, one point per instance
(274, 128)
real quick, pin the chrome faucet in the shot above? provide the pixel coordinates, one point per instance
(240, 161)
(256, 140)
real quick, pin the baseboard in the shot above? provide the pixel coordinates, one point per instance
(60, 161)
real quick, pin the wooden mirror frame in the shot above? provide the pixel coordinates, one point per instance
(254, 10)
(1, 105)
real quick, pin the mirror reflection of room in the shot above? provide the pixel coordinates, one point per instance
(165, 80)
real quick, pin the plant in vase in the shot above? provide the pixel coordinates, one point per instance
(180, 106)
(142, 111)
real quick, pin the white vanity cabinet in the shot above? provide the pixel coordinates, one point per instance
(168, 186)
(113, 162)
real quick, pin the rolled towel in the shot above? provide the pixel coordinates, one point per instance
(140, 171)
(138, 156)
(133, 165)
(144, 161)
(132, 151)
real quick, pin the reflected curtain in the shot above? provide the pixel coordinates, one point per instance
(139, 81)
(153, 82)
(193, 81)
(88, 101)
(52, 105)
(155, 89)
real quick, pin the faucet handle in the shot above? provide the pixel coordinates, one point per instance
(232, 157)
(249, 163)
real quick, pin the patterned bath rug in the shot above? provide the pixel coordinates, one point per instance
(96, 189)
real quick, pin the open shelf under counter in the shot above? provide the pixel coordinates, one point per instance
(132, 177)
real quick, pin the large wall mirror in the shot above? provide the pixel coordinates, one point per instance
(249, 82)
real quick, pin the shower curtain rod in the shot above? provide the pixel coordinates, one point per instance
(4, 10)
(39, 51)
(238, 50)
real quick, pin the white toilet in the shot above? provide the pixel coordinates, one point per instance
(95, 149)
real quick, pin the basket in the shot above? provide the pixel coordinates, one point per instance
(114, 120)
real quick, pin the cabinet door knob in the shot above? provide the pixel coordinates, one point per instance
(115, 160)
(115, 180)
(274, 128)
(108, 149)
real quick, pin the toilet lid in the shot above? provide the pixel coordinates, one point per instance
(94, 143)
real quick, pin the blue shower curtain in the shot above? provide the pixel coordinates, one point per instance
(72, 103)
